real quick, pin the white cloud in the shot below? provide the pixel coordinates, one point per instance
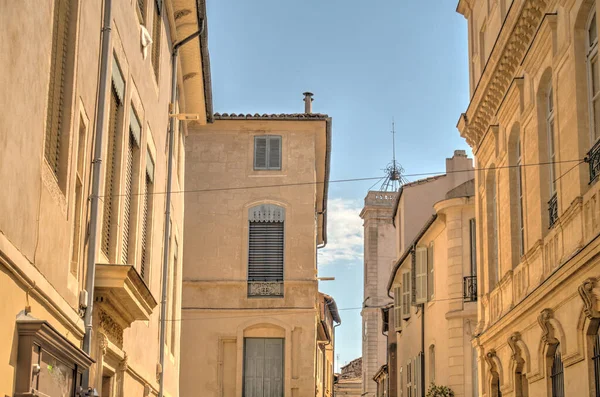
(344, 233)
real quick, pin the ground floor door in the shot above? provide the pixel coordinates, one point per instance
(263, 367)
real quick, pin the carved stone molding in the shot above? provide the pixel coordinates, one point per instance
(547, 328)
(111, 329)
(123, 364)
(495, 81)
(589, 298)
(489, 359)
(514, 347)
(102, 343)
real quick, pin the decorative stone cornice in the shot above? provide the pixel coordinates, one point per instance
(589, 298)
(547, 329)
(503, 62)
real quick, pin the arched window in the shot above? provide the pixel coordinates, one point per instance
(265, 250)
(557, 375)
(553, 203)
(521, 221)
(593, 77)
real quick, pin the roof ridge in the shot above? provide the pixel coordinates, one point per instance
(270, 116)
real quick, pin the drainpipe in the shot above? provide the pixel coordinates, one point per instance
(423, 348)
(165, 262)
(94, 197)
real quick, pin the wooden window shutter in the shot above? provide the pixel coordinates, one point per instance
(156, 30)
(398, 308)
(421, 275)
(406, 294)
(430, 273)
(128, 199)
(109, 179)
(266, 243)
(274, 150)
(145, 232)
(56, 114)
(260, 153)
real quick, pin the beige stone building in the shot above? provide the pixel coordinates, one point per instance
(255, 217)
(434, 311)
(348, 383)
(328, 320)
(532, 120)
(49, 73)
(379, 256)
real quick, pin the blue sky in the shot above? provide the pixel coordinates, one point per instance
(366, 62)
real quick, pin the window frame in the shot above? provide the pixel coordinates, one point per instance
(269, 139)
(521, 219)
(592, 58)
(550, 131)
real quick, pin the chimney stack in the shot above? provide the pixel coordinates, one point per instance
(308, 102)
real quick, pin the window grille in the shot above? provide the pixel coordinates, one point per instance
(267, 152)
(109, 181)
(557, 375)
(266, 250)
(156, 28)
(596, 360)
(56, 114)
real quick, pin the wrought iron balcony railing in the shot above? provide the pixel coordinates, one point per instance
(593, 160)
(553, 210)
(265, 288)
(470, 288)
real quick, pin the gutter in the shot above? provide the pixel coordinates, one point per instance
(408, 251)
(206, 79)
(326, 179)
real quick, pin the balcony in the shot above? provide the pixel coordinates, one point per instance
(593, 160)
(553, 210)
(265, 289)
(121, 292)
(470, 289)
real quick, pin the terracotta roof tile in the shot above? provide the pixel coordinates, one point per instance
(265, 116)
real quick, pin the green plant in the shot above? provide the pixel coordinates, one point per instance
(439, 391)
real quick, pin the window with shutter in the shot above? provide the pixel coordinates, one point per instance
(141, 9)
(146, 231)
(421, 275)
(60, 87)
(266, 250)
(430, 273)
(110, 175)
(406, 295)
(398, 308)
(267, 152)
(409, 378)
(78, 215)
(156, 30)
(473, 247)
(131, 188)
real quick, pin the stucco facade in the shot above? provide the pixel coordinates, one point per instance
(47, 133)
(223, 306)
(537, 240)
(433, 339)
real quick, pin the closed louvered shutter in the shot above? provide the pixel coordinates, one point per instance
(260, 153)
(156, 27)
(406, 294)
(421, 275)
(109, 181)
(145, 227)
(128, 198)
(274, 153)
(430, 273)
(141, 6)
(55, 114)
(265, 257)
(267, 152)
(398, 308)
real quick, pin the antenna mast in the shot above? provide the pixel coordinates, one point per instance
(393, 172)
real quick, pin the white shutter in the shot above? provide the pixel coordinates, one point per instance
(406, 294)
(398, 308)
(260, 153)
(274, 151)
(430, 273)
(421, 275)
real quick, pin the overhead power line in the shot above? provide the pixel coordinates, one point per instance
(374, 178)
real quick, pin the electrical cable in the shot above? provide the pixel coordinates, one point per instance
(375, 178)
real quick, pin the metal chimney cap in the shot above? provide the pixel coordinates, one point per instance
(308, 93)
